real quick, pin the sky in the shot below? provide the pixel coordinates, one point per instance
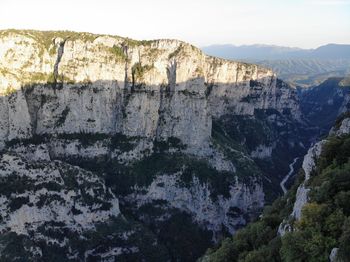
(297, 23)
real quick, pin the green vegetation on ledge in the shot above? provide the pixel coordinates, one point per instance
(138, 71)
(118, 52)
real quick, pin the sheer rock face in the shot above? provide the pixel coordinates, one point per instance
(55, 85)
(102, 84)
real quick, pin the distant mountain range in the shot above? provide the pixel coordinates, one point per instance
(301, 67)
(268, 52)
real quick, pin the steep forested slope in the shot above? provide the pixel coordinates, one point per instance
(322, 230)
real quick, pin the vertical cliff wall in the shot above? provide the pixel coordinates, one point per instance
(168, 128)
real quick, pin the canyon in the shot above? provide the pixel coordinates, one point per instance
(152, 148)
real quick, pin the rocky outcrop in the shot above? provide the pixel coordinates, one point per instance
(342, 129)
(52, 191)
(301, 197)
(333, 254)
(309, 164)
(262, 152)
(197, 199)
(52, 210)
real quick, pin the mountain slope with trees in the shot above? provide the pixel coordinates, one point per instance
(322, 233)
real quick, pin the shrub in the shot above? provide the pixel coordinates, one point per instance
(118, 52)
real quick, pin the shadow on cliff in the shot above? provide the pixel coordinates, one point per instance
(234, 117)
(245, 116)
(186, 109)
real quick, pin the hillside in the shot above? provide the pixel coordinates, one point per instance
(309, 223)
(321, 104)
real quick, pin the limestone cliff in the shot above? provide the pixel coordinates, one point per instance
(167, 127)
(106, 84)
